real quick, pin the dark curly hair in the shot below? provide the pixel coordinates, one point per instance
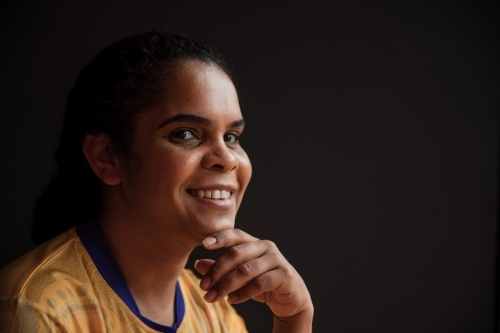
(124, 80)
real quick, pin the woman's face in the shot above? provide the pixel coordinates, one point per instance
(187, 172)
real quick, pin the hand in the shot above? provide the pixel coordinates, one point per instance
(253, 269)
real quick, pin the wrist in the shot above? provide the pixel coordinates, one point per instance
(299, 323)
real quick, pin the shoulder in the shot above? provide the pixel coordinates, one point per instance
(37, 287)
(218, 317)
(59, 259)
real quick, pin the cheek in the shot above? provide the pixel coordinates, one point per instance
(177, 167)
(244, 170)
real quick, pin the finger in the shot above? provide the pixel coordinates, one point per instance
(203, 265)
(234, 257)
(268, 281)
(241, 275)
(226, 238)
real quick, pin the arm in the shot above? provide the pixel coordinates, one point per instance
(255, 269)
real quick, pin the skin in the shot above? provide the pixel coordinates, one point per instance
(190, 142)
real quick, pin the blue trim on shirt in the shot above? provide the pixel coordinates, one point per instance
(100, 253)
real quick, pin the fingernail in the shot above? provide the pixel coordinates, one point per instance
(209, 241)
(210, 296)
(231, 299)
(196, 263)
(205, 283)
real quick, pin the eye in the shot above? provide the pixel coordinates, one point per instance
(231, 137)
(183, 135)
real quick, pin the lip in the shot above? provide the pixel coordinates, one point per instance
(214, 187)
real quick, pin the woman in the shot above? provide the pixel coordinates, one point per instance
(149, 167)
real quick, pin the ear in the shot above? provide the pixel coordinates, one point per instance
(99, 155)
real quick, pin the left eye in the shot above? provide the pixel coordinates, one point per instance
(230, 137)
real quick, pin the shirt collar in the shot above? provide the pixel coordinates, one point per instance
(94, 242)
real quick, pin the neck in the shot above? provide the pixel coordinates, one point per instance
(151, 264)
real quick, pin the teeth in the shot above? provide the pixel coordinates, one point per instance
(216, 194)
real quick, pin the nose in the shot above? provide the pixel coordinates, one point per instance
(220, 157)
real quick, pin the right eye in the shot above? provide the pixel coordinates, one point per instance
(184, 137)
(183, 134)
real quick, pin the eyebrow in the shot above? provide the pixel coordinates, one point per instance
(237, 123)
(191, 118)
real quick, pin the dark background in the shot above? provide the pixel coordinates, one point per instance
(373, 129)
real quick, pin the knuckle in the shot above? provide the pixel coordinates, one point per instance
(214, 270)
(240, 293)
(245, 293)
(235, 252)
(222, 236)
(276, 257)
(261, 282)
(270, 244)
(245, 270)
(239, 233)
(279, 260)
(287, 272)
(224, 285)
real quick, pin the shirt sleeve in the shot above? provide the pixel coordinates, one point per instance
(18, 315)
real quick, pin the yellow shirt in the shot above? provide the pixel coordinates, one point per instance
(58, 288)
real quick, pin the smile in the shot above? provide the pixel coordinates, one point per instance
(215, 194)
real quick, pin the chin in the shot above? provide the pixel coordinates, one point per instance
(211, 227)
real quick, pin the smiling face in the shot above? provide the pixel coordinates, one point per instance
(187, 172)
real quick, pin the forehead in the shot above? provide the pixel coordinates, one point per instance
(200, 89)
